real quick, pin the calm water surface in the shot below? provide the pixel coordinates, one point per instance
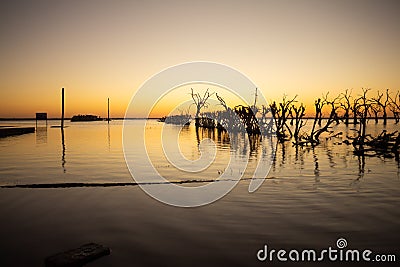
(312, 197)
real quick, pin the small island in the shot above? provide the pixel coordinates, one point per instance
(86, 118)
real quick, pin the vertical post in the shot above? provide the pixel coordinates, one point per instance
(108, 110)
(62, 107)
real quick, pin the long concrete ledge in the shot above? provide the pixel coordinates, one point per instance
(10, 130)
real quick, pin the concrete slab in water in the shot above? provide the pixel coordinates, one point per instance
(10, 130)
(77, 257)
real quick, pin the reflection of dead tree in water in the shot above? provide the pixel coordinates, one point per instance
(299, 156)
(222, 136)
(254, 141)
(316, 164)
(330, 156)
(283, 153)
(361, 166)
(274, 148)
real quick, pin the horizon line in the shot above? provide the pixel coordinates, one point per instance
(156, 118)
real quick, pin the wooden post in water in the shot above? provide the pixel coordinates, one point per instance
(62, 108)
(108, 110)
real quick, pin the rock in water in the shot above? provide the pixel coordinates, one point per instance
(77, 257)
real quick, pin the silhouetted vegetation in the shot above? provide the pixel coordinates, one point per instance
(286, 119)
(200, 102)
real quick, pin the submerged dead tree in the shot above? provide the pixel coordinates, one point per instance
(395, 107)
(354, 109)
(333, 117)
(266, 123)
(227, 119)
(376, 109)
(383, 101)
(346, 106)
(313, 137)
(318, 111)
(200, 102)
(385, 144)
(248, 118)
(280, 112)
(362, 112)
(298, 114)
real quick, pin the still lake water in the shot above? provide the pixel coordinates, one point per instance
(312, 197)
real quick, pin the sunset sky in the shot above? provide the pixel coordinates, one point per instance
(100, 49)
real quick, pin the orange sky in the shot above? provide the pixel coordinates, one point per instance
(100, 49)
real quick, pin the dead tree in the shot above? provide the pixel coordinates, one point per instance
(299, 113)
(354, 109)
(254, 106)
(318, 110)
(200, 102)
(394, 107)
(280, 113)
(266, 124)
(375, 109)
(318, 113)
(383, 102)
(333, 117)
(362, 112)
(313, 137)
(228, 119)
(249, 119)
(386, 144)
(346, 106)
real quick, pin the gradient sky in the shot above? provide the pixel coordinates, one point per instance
(99, 49)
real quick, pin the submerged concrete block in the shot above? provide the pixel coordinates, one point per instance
(77, 257)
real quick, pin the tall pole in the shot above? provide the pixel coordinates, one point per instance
(62, 108)
(108, 110)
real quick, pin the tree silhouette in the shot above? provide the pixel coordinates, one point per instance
(383, 102)
(395, 107)
(200, 102)
(346, 106)
(280, 113)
